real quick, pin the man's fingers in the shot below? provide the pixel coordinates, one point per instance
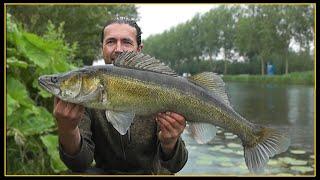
(75, 112)
(69, 108)
(179, 118)
(55, 101)
(166, 124)
(170, 120)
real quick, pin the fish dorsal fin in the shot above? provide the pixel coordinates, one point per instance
(140, 61)
(212, 82)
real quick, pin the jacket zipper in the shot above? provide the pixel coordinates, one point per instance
(124, 153)
(123, 150)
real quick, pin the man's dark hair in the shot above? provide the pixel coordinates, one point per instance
(123, 20)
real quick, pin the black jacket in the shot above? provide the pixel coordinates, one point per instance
(137, 152)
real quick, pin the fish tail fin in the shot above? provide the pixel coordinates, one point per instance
(270, 142)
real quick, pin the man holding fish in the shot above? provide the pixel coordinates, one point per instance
(147, 147)
(127, 94)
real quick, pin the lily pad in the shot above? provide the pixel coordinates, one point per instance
(292, 161)
(221, 159)
(242, 166)
(226, 150)
(273, 162)
(215, 148)
(192, 147)
(231, 137)
(239, 152)
(284, 174)
(203, 162)
(234, 145)
(227, 164)
(312, 156)
(297, 151)
(205, 156)
(228, 134)
(205, 159)
(302, 169)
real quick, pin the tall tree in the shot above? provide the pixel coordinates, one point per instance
(257, 33)
(228, 15)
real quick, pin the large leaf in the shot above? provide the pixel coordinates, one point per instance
(35, 49)
(12, 105)
(51, 142)
(13, 62)
(31, 120)
(18, 91)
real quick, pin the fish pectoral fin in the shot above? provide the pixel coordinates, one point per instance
(202, 132)
(94, 95)
(121, 121)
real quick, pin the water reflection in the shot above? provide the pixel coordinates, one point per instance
(286, 107)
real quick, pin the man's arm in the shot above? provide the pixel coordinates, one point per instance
(75, 144)
(173, 153)
(68, 116)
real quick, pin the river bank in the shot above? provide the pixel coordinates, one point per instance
(291, 78)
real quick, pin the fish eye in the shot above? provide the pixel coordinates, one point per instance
(54, 79)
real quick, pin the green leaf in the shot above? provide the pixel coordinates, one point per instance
(13, 62)
(12, 105)
(34, 48)
(31, 120)
(51, 143)
(18, 91)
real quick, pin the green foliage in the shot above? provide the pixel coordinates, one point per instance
(81, 24)
(31, 158)
(51, 142)
(45, 39)
(28, 57)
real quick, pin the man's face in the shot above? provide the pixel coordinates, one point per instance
(118, 38)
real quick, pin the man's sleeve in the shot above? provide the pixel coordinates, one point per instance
(179, 157)
(84, 158)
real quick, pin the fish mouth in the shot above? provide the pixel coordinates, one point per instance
(44, 85)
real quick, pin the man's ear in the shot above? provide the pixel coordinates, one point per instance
(140, 48)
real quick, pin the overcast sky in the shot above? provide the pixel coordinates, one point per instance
(156, 18)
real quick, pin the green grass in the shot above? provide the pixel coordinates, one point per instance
(291, 78)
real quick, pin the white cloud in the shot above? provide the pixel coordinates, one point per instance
(156, 18)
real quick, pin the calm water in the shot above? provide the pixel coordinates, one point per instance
(285, 107)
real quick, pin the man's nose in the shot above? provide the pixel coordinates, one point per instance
(119, 47)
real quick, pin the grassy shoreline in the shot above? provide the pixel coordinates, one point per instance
(291, 78)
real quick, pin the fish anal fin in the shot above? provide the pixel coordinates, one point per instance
(202, 133)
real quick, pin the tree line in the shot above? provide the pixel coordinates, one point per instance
(257, 34)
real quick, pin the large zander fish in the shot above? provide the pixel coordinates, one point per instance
(139, 84)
